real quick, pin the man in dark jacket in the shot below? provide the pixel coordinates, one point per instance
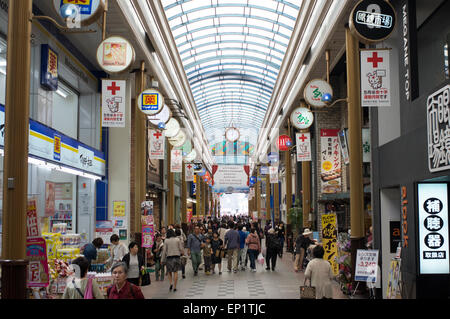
(232, 242)
(273, 246)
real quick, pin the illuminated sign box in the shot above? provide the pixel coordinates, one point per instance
(150, 101)
(49, 68)
(433, 228)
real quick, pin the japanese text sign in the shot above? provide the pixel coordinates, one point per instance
(329, 240)
(37, 267)
(330, 156)
(366, 265)
(433, 228)
(113, 103)
(32, 219)
(375, 78)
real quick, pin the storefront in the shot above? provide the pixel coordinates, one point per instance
(405, 209)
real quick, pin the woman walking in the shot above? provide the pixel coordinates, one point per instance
(135, 263)
(273, 247)
(216, 245)
(179, 234)
(254, 247)
(320, 274)
(157, 251)
(172, 251)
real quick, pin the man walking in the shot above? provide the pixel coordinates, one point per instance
(232, 242)
(194, 246)
(242, 247)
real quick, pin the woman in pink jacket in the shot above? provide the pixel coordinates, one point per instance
(254, 247)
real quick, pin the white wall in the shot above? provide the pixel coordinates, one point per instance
(390, 208)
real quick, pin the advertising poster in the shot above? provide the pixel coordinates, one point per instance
(303, 147)
(148, 233)
(366, 265)
(329, 240)
(104, 230)
(375, 78)
(49, 198)
(32, 219)
(231, 178)
(176, 161)
(394, 279)
(113, 103)
(189, 172)
(330, 168)
(37, 267)
(273, 170)
(157, 145)
(119, 208)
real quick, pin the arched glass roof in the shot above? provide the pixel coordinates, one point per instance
(232, 51)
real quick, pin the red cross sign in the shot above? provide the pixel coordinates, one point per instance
(113, 88)
(189, 166)
(303, 137)
(157, 134)
(375, 60)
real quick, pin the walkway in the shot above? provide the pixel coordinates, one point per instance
(283, 283)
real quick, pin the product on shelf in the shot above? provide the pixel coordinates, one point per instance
(71, 240)
(53, 242)
(67, 254)
(59, 228)
(104, 280)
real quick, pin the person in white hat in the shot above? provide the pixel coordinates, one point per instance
(301, 244)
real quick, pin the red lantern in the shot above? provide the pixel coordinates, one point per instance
(284, 142)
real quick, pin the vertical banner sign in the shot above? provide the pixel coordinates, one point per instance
(433, 228)
(303, 147)
(344, 146)
(273, 170)
(329, 239)
(49, 68)
(49, 199)
(113, 103)
(147, 236)
(176, 160)
(32, 219)
(330, 168)
(375, 78)
(189, 172)
(57, 147)
(157, 145)
(366, 265)
(38, 266)
(437, 129)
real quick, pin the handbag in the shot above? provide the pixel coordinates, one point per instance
(145, 278)
(307, 292)
(183, 260)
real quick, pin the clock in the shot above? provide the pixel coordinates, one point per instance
(232, 134)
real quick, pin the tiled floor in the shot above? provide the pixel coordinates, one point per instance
(283, 283)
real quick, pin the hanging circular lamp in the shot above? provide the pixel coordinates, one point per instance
(179, 139)
(172, 128)
(161, 117)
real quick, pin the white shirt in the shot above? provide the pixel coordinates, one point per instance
(133, 272)
(118, 251)
(320, 273)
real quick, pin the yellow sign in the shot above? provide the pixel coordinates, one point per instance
(78, 2)
(118, 208)
(329, 240)
(327, 165)
(57, 145)
(52, 65)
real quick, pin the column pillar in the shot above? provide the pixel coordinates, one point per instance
(15, 169)
(183, 195)
(288, 178)
(268, 215)
(276, 201)
(355, 146)
(170, 191)
(258, 192)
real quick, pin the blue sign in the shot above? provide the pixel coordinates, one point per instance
(49, 68)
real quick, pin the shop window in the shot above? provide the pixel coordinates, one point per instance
(433, 36)
(65, 110)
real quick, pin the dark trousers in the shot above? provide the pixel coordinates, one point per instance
(253, 254)
(271, 258)
(208, 262)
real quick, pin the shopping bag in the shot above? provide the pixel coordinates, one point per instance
(183, 260)
(260, 259)
(264, 252)
(307, 292)
(88, 292)
(145, 278)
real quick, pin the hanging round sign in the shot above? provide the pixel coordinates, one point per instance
(150, 101)
(314, 91)
(172, 128)
(161, 117)
(191, 156)
(115, 54)
(84, 12)
(178, 140)
(302, 118)
(284, 142)
(372, 20)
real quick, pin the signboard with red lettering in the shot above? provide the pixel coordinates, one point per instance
(366, 265)
(284, 142)
(38, 266)
(32, 219)
(176, 161)
(375, 78)
(156, 145)
(330, 168)
(113, 103)
(303, 141)
(189, 172)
